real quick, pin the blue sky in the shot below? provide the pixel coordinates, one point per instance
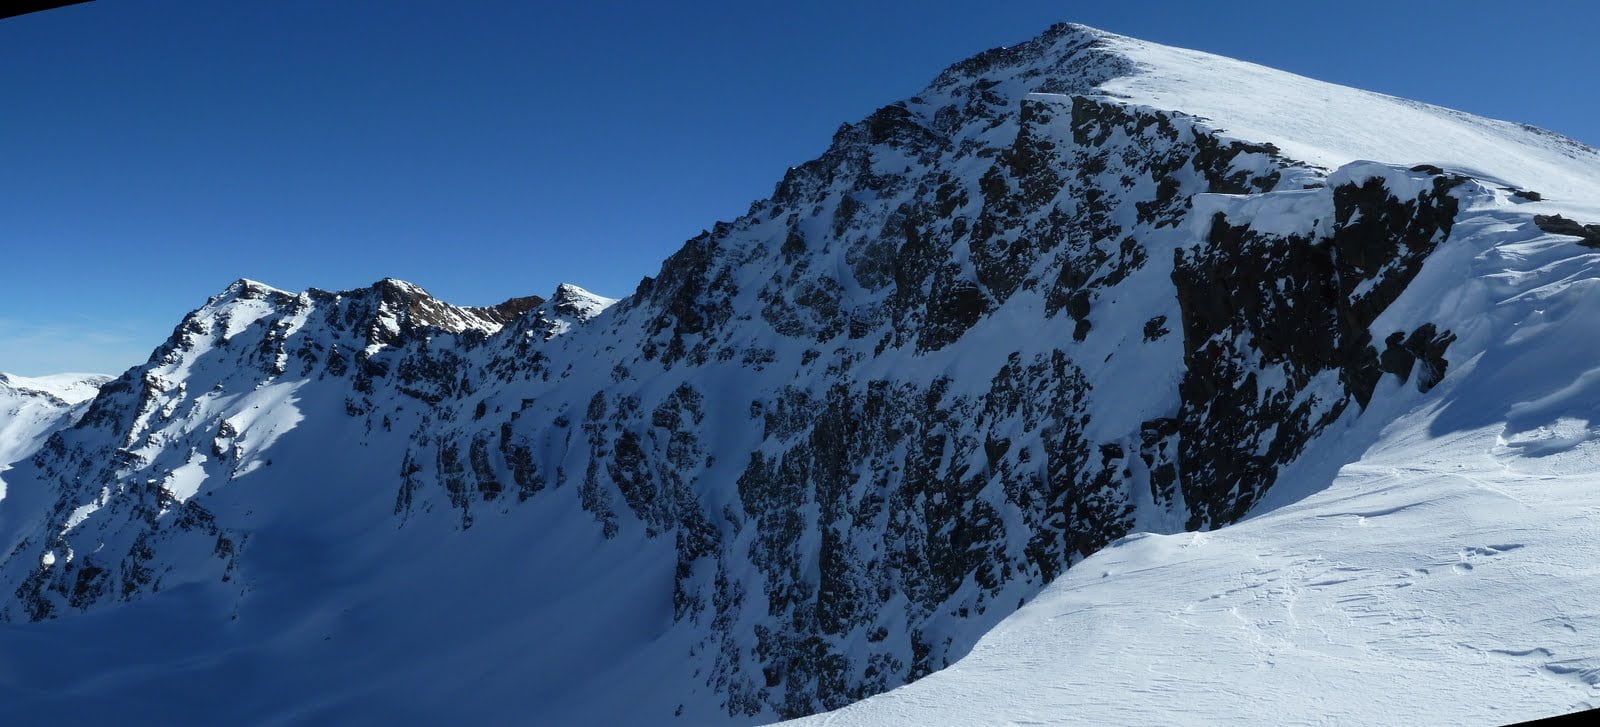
(152, 151)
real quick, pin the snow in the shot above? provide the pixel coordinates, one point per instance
(1430, 583)
(582, 301)
(70, 388)
(254, 286)
(571, 306)
(33, 407)
(242, 314)
(82, 512)
(185, 481)
(1331, 126)
(473, 624)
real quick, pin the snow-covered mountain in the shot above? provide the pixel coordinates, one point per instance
(32, 408)
(1077, 290)
(1432, 560)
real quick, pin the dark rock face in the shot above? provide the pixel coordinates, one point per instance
(870, 417)
(508, 311)
(1425, 347)
(1557, 225)
(1293, 309)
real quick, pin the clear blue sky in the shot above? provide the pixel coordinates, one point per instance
(151, 151)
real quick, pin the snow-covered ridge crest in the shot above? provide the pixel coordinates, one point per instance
(1331, 125)
(386, 314)
(69, 388)
(31, 408)
(1314, 122)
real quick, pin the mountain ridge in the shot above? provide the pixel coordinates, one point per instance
(824, 449)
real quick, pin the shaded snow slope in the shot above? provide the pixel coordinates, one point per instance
(1449, 573)
(993, 329)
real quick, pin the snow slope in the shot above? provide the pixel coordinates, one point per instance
(1429, 584)
(1329, 125)
(70, 388)
(32, 407)
(994, 328)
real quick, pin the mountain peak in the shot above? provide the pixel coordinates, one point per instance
(569, 306)
(411, 307)
(400, 289)
(574, 300)
(1329, 125)
(1063, 50)
(1314, 122)
(247, 289)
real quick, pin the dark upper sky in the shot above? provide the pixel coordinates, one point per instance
(151, 151)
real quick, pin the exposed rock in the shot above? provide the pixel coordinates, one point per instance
(1557, 225)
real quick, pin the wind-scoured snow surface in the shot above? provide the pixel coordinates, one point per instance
(1328, 125)
(960, 385)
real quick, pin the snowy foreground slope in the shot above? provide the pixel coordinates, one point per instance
(1076, 290)
(1435, 582)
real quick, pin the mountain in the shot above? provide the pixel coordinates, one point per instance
(1080, 292)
